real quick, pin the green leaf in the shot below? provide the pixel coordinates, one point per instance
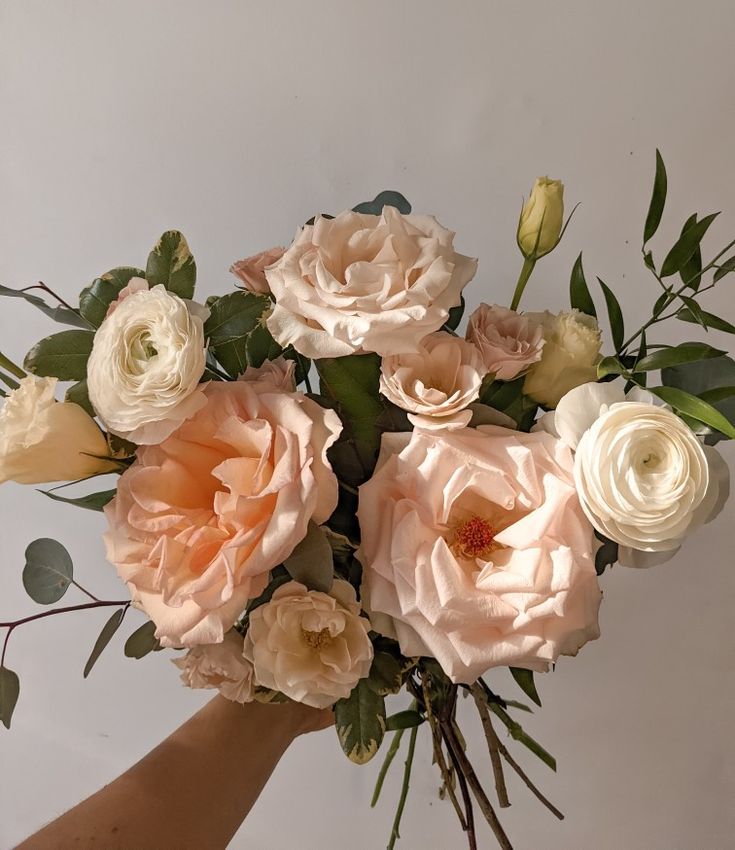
(455, 316)
(386, 674)
(710, 320)
(142, 641)
(725, 268)
(615, 315)
(232, 318)
(311, 561)
(662, 302)
(63, 315)
(95, 299)
(62, 355)
(387, 198)
(524, 680)
(717, 394)
(260, 346)
(403, 720)
(351, 383)
(105, 636)
(171, 264)
(606, 555)
(279, 576)
(579, 293)
(79, 394)
(691, 271)
(610, 366)
(360, 723)
(48, 571)
(686, 246)
(658, 199)
(9, 693)
(92, 501)
(690, 405)
(689, 352)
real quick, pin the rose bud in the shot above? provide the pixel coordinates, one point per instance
(542, 216)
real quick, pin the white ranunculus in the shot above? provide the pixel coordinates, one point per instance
(569, 357)
(436, 384)
(219, 665)
(146, 363)
(366, 283)
(643, 478)
(311, 646)
(44, 440)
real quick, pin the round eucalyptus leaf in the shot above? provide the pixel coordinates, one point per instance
(48, 571)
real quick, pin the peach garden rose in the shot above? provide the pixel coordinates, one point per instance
(200, 520)
(221, 666)
(475, 550)
(509, 342)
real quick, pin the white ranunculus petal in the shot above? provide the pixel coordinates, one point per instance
(581, 406)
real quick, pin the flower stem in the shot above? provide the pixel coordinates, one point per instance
(390, 755)
(404, 790)
(526, 270)
(8, 364)
(493, 744)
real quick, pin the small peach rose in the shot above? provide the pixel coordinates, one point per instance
(311, 646)
(251, 270)
(279, 373)
(476, 550)
(221, 666)
(509, 342)
(436, 384)
(199, 520)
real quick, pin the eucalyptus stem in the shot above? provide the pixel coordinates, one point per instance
(11, 367)
(389, 756)
(404, 790)
(526, 270)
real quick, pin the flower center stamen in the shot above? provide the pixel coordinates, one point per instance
(316, 640)
(474, 538)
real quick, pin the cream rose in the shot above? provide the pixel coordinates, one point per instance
(572, 343)
(221, 666)
(643, 478)
(476, 551)
(311, 646)
(436, 384)
(251, 270)
(146, 362)
(200, 520)
(366, 283)
(542, 217)
(509, 342)
(44, 440)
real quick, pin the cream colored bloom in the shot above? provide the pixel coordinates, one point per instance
(359, 283)
(542, 218)
(221, 666)
(509, 342)
(313, 647)
(643, 478)
(572, 343)
(146, 362)
(44, 440)
(436, 384)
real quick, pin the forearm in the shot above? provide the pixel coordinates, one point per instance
(191, 791)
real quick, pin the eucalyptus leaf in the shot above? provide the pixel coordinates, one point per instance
(95, 299)
(686, 353)
(524, 680)
(48, 571)
(386, 198)
(62, 355)
(686, 246)
(172, 265)
(658, 200)
(407, 719)
(615, 315)
(311, 561)
(105, 636)
(360, 722)
(232, 318)
(63, 315)
(9, 693)
(92, 501)
(686, 314)
(142, 641)
(579, 293)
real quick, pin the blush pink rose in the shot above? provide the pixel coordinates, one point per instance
(199, 520)
(476, 551)
(508, 342)
(251, 270)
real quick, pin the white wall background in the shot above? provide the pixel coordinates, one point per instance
(234, 122)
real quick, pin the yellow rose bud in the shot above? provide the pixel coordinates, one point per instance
(44, 440)
(542, 217)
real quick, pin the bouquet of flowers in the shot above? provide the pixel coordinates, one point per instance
(327, 493)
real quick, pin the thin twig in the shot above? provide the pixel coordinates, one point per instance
(395, 834)
(389, 756)
(462, 782)
(478, 694)
(84, 606)
(531, 787)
